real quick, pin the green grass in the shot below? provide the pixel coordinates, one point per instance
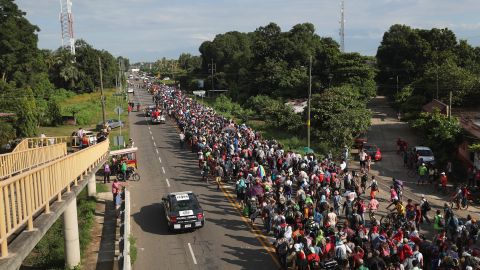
(91, 114)
(49, 253)
(133, 249)
(102, 188)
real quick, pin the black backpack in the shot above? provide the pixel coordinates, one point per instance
(426, 206)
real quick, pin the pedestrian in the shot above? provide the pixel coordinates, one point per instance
(129, 109)
(182, 139)
(115, 189)
(438, 222)
(443, 182)
(85, 141)
(106, 173)
(422, 173)
(363, 158)
(218, 175)
(424, 208)
(123, 169)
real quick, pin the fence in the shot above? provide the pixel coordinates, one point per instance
(37, 142)
(125, 233)
(20, 161)
(25, 195)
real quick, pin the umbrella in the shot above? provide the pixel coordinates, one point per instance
(261, 171)
(308, 150)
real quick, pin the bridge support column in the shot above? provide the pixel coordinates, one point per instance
(70, 231)
(92, 185)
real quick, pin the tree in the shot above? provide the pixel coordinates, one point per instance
(441, 133)
(18, 42)
(337, 115)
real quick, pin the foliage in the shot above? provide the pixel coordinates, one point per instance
(49, 253)
(18, 43)
(474, 147)
(441, 133)
(7, 132)
(337, 115)
(133, 248)
(421, 58)
(271, 62)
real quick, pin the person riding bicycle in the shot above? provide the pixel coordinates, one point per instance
(398, 186)
(400, 208)
(372, 206)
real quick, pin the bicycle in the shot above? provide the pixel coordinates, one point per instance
(131, 175)
(393, 219)
(461, 204)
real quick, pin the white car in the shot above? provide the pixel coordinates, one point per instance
(424, 153)
(130, 90)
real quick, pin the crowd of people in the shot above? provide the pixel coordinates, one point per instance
(314, 206)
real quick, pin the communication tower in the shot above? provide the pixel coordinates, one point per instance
(66, 22)
(342, 26)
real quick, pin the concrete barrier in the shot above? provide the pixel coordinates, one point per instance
(125, 233)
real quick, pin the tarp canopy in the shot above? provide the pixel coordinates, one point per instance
(123, 151)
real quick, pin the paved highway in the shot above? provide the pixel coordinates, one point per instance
(225, 242)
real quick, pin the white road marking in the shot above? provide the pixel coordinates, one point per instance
(168, 183)
(150, 132)
(154, 144)
(153, 139)
(148, 127)
(191, 252)
(163, 170)
(156, 150)
(160, 159)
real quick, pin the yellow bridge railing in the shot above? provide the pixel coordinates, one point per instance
(20, 161)
(37, 142)
(25, 195)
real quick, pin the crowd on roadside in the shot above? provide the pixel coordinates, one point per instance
(314, 206)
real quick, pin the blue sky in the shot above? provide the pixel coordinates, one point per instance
(146, 30)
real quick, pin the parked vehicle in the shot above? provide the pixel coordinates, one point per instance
(424, 153)
(360, 140)
(158, 120)
(149, 109)
(373, 151)
(77, 141)
(111, 124)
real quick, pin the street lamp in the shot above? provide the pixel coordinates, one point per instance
(309, 98)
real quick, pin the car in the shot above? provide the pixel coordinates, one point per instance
(360, 140)
(183, 211)
(424, 153)
(149, 109)
(77, 141)
(373, 151)
(111, 124)
(130, 90)
(158, 120)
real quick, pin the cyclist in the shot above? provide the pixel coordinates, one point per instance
(401, 210)
(398, 186)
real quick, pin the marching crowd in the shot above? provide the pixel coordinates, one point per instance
(316, 207)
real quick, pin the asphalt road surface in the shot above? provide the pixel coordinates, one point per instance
(225, 242)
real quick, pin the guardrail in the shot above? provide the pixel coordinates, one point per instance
(25, 195)
(20, 161)
(125, 233)
(37, 142)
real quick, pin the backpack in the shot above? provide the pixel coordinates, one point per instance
(340, 254)
(474, 229)
(426, 206)
(282, 248)
(374, 186)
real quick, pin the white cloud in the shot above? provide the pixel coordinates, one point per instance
(153, 28)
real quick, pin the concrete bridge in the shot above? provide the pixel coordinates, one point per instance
(39, 181)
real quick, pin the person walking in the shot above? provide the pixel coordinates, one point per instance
(423, 174)
(443, 181)
(424, 208)
(123, 169)
(182, 139)
(363, 158)
(106, 173)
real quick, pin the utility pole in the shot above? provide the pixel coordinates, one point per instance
(397, 84)
(212, 69)
(309, 98)
(104, 114)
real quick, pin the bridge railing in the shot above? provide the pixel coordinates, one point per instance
(20, 161)
(25, 195)
(37, 142)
